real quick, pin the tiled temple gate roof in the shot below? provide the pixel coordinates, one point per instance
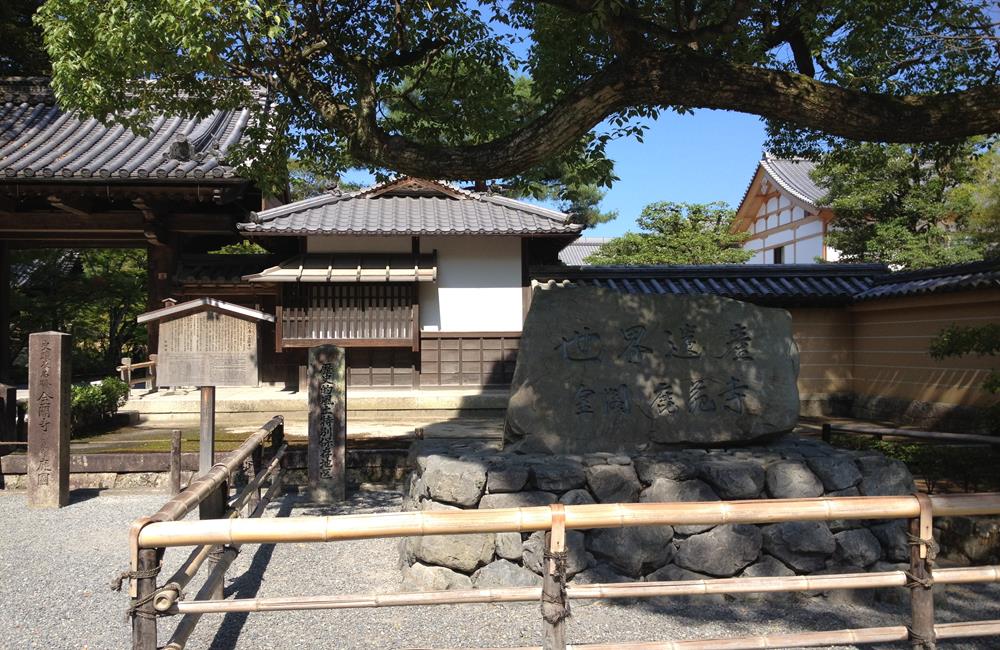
(40, 140)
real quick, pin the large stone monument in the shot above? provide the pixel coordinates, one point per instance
(49, 372)
(327, 466)
(599, 370)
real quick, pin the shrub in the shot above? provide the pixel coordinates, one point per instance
(94, 404)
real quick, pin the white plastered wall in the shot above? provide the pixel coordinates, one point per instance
(781, 221)
(478, 287)
(479, 278)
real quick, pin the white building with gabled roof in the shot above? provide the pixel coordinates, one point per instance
(784, 214)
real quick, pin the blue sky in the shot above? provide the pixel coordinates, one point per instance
(707, 156)
(698, 158)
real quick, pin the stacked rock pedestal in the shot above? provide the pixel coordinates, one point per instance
(471, 476)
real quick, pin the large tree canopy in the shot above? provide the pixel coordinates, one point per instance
(513, 89)
(910, 206)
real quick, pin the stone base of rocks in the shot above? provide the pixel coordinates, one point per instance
(472, 477)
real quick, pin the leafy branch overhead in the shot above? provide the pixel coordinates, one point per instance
(495, 89)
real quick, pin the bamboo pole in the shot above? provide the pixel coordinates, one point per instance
(962, 575)
(401, 524)
(213, 583)
(252, 488)
(168, 595)
(921, 595)
(800, 639)
(555, 607)
(181, 504)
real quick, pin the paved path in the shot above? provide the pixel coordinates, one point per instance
(55, 567)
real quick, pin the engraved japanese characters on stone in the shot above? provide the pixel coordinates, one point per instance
(634, 349)
(581, 346)
(601, 370)
(327, 423)
(738, 345)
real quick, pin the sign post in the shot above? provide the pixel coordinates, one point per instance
(49, 370)
(327, 424)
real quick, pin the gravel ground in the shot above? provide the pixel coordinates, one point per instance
(55, 568)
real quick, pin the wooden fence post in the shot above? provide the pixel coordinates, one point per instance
(175, 461)
(127, 371)
(555, 606)
(922, 551)
(143, 614)
(151, 374)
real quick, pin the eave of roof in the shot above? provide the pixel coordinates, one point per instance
(203, 304)
(783, 285)
(378, 212)
(780, 284)
(41, 142)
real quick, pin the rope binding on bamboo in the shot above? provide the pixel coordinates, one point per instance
(555, 602)
(116, 582)
(555, 606)
(932, 546)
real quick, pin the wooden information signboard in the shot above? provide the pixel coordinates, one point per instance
(207, 342)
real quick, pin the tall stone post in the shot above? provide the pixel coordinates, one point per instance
(49, 372)
(327, 423)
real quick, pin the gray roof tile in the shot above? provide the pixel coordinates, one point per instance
(577, 252)
(39, 139)
(773, 284)
(780, 284)
(960, 277)
(364, 213)
(793, 176)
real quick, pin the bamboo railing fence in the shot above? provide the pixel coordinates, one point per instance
(209, 492)
(224, 535)
(127, 368)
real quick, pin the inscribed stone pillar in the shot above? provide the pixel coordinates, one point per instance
(49, 372)
(327, 423)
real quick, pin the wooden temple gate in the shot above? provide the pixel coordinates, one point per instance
(221, 538)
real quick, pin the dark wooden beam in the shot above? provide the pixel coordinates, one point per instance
(59, 204)
(24, 223)
(5, 281)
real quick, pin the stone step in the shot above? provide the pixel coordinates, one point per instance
(407, 406)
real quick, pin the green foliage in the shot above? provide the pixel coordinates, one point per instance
(21, 50)
(242, 247)
(907, 206)
(380, 84)
(678, 233)
(93, 294)
(305, 180)
(94, 404)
